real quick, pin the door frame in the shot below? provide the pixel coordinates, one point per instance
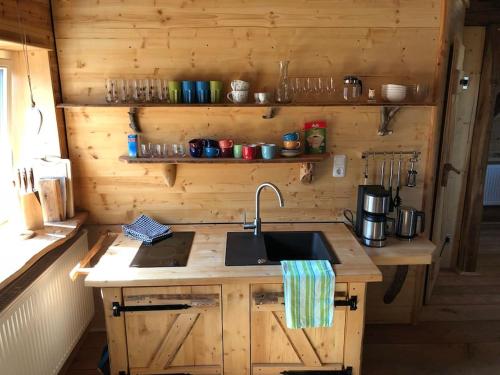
(488, 100)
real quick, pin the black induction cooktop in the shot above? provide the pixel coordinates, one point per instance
(171, 252)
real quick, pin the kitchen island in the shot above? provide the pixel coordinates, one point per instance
(208, 318)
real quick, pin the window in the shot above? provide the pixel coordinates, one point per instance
(5, 149)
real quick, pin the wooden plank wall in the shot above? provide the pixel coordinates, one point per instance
(384, 41)
(33, 15)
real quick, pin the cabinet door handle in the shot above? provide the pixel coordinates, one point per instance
(117, 308)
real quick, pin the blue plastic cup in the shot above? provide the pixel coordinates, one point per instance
(188, 92)
(203, 91)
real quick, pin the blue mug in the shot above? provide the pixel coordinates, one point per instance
(291, 136)
(210, 143)
(268, 151)
(203, 91)
(211, 152)
(188, 92)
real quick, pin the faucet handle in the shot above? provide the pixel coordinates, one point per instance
(245, 224)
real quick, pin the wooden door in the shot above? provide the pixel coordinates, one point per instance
(174, 341)
(275, 348)
(455, 149)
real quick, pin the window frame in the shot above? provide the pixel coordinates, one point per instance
(5, 137)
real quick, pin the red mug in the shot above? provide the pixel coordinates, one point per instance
(226, 143)
(249, 152)
(226, 152)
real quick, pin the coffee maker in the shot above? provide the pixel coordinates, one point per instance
(371, 215)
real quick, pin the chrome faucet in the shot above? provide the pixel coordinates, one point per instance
(256, 226)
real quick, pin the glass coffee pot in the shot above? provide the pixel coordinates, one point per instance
(353, 88)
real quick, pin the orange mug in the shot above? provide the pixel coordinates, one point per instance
(291, 145)
(226, 143)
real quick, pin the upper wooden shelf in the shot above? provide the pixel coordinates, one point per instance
(232, 105)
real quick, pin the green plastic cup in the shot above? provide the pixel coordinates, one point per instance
(215, 91)
(174, 92)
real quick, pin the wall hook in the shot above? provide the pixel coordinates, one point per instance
(386, 115)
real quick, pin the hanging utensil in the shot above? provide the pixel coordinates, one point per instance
(382, 173)
(411, 180)
(366, 171)
(391, 171)
(397, 198)
(35, 115)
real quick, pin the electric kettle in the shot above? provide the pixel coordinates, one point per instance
(406, 225)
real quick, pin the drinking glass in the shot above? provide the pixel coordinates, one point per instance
(145, 150)
(145, 93)
(156, 150)
(111, 91)
(178, 149)
(158, 90)
(330, 87)
(164, 150)
(164, 90)
(135, 88)
(124, 90)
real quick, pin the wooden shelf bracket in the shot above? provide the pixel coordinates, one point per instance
(306, 172)
(169, 172)
(270, 113)
(387, 113)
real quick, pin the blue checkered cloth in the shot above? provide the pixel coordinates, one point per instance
(146, 230)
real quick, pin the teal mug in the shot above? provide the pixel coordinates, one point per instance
(268, 151)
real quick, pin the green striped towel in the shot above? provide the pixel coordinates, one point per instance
(309, 293)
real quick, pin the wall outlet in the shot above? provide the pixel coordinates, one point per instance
(339, 165)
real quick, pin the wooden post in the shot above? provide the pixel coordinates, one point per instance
(115, 328)
(355, 324)
(236, 328)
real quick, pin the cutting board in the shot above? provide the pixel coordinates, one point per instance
(57, 167)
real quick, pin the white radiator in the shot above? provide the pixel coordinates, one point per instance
(40, 328)
(492, 186)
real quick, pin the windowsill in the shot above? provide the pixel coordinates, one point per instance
(18, 255)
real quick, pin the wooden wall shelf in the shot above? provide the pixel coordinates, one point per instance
(231, 105)
(170, 164)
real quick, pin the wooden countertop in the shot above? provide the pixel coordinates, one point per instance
(206, 261)
(18, 255)
(419, 251)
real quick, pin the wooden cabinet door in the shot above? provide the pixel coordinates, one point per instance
(275, 348)
(174, 341)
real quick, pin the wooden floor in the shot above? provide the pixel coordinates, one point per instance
(460, 334)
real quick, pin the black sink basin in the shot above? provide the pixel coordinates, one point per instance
(245, 249)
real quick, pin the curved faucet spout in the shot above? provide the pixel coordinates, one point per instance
(262, 187)
(256, 226)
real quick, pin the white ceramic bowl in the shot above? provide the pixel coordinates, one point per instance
(392, 86)
(394, 96)
(394, 93)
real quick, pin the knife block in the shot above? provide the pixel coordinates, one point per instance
(31, 212)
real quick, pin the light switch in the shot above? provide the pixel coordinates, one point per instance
(339, 165)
